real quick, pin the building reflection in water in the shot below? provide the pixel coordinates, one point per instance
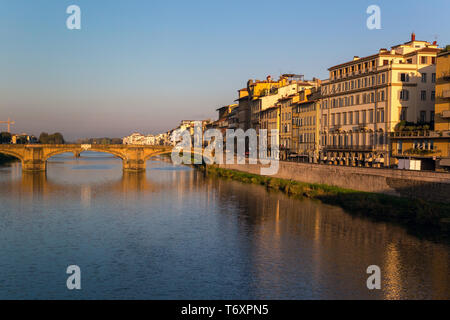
(330, 249)
(286, 247)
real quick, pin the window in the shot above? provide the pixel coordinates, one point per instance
(382, 95)
(383, 78)
(423, 116)
(433, 60)
(350, 118)
(433, 95)
(404, 95)
(364, 118)
(424, 77)
(404, 77)
(344, 118)
(385, 62)
(357, 99)
(399, 146)
(433, 77)
(423, 60)
(356, 117)
(370, 116)
(372, 97)
(403, 114)
(432, 116)
(423, 95)
(381, 115)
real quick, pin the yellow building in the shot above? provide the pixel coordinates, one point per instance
(285, 129)
(271, 120)
(366, 98)
(427, 149)
(306, 125)
(243, 110)
(442, 112)
(443, 91)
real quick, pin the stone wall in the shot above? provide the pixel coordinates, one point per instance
(434, 186)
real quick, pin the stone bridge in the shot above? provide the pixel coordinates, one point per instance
(34, 156)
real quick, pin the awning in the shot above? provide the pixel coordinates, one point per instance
(445, 162)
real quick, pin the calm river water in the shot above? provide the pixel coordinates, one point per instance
(171, 233)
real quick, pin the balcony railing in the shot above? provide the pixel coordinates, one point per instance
(366, 148)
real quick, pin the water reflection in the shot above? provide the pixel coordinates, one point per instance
(173, 233)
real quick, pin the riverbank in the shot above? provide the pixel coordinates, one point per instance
(415, 212)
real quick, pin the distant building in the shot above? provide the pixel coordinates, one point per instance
(306, 125)
(139, 139)
(23, 139)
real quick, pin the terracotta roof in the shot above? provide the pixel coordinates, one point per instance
(423, 50)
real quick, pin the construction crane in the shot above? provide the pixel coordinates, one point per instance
(9, 122)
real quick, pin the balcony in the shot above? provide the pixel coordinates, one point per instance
(419, 134)
(417, 153)
(334, 128)
(411, 134)
(359, 148)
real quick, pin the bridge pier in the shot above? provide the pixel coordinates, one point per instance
(33, 160)
(134, 160)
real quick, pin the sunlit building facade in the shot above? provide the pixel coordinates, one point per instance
(364, 99)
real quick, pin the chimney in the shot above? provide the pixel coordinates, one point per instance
(434, 43)
(413, 36)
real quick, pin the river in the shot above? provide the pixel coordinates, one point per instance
(172, 233)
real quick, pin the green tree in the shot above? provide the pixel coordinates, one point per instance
(43, 138)
(5, 137)
(56, 138)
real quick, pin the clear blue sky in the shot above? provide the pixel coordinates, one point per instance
(145, 65)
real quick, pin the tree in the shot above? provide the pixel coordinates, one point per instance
(56, 138)
(5, 137)
(43, 138)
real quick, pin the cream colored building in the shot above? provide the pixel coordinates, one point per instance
(364, 99)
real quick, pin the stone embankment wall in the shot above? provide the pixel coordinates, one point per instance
(433, 186)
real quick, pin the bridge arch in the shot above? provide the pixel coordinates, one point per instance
(79, 151)
(170, 152)
(12, 154)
